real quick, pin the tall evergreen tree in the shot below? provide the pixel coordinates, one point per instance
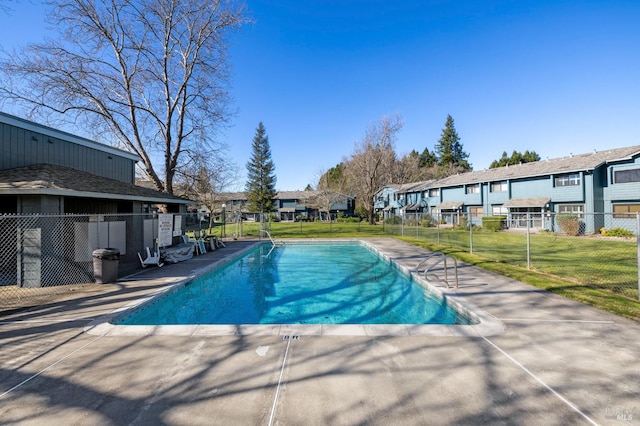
(261, 180)
(333, 179)
(449, 149)
(516, 158)
(428, 158)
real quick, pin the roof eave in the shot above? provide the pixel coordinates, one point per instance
(87, 194)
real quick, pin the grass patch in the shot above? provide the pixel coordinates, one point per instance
(601, 297)
(316, 230)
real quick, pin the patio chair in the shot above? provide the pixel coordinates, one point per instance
(200, 246)
(151, 260)
(216, 243)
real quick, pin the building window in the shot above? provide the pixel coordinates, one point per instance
(576, 209)
(499, 186)
(572, 179)
(626, 176)
(625, 211)
(499, 211)
(475, 211)
(473, 189)
(435, 192)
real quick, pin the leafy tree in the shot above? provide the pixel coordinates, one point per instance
(149, 75)
(516, 158)
(449, 149)
(261, 180)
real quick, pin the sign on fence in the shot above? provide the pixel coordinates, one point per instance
(165, 229)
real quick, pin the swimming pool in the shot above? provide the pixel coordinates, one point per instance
(163, 282)
(321, 283)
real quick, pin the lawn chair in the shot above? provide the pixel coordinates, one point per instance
(151, 260)
(200, 246)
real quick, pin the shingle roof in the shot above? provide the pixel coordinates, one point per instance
(527, 202)
(450, 205)
(573, 163)
(280, 195)
(58, 180)
(295, 195)
(414, 186)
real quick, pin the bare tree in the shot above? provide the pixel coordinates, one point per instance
(407, 169)
(207, 183)
(4, 6)
(327, 193)
(152, 74)
(372, 163)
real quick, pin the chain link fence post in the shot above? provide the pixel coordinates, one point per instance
(470, 223)
(528, 240)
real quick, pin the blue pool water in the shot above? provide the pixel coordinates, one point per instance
(323, 283)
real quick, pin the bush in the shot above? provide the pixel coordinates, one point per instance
(569, 223)
(464, 222)
(426, 221)
(411, 221)
(618, 232)
(343, 219)
(393, 220)
(493, 223)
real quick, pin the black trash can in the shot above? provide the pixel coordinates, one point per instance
(105, 265)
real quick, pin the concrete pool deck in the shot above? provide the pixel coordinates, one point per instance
(555, 362)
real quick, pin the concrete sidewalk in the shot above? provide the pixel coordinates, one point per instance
(557, 362)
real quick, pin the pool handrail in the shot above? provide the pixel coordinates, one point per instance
(440, 256)
(264, 231)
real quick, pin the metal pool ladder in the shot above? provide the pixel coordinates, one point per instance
(273, 243)
(439, 257)
(264, 231)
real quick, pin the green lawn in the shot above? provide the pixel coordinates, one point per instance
(597, 271)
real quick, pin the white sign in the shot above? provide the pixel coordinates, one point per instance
(177, 225)
(165, 228)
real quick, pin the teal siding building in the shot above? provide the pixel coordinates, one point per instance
(601, 187)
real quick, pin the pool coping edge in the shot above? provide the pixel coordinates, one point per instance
(486, 324)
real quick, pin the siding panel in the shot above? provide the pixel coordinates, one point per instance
(26, 146)
(531, 188)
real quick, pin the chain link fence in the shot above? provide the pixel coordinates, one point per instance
(48, 255)
(45, 256)
(597, 250)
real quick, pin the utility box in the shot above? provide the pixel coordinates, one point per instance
(105, 265)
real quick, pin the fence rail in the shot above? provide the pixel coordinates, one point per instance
(43, 256)
(48, 255)
(598, 250)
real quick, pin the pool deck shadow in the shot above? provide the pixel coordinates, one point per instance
(555, 361)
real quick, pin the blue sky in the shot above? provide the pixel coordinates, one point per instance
(556, 77)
